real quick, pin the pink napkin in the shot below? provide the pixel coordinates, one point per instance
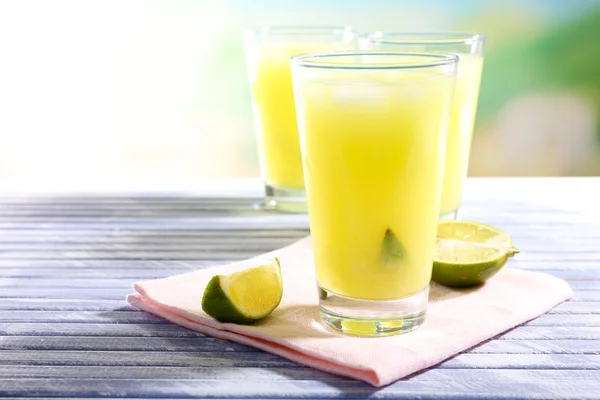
(456, 319)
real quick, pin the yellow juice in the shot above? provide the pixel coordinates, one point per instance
(275, 112)
(373, 159)
(461, 130)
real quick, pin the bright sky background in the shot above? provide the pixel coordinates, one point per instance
(128, 93)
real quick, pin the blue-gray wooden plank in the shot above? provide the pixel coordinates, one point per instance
(67, 261)
(220, 359)
(207, 343)
(290, 383)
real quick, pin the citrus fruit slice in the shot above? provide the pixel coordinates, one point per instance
(246, 296)
(469, 253)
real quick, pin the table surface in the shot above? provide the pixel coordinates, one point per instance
(67, 262)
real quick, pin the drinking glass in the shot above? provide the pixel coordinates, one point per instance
(268, 52)
(373, 129)
(469, 47)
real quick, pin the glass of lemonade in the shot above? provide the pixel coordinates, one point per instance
(373, 128)
(469, 47)
(268, 52)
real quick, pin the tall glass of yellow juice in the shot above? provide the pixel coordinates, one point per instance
(268, 52)
(469, 47)
(373, 128)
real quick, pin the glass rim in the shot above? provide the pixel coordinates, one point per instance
(314, 60)
(425, 37)
(300, 29)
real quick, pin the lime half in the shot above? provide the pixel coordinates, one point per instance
(469, 253)
(246, 296)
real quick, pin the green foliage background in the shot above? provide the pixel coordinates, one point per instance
(564, 57)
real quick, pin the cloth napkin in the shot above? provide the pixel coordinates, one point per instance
(456, 319)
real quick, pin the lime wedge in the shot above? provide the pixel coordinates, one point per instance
(469, 253)
(246, 296)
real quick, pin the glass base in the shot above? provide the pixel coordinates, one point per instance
(373, 318)
(285, 200)
(452, 215)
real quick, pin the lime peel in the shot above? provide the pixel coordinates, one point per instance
(246, 296)
(469, 253)
(392, 250)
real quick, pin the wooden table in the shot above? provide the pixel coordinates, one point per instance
(67, 262)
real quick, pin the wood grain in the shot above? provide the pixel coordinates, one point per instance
(66, 263)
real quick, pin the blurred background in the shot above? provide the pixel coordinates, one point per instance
(132, 94)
